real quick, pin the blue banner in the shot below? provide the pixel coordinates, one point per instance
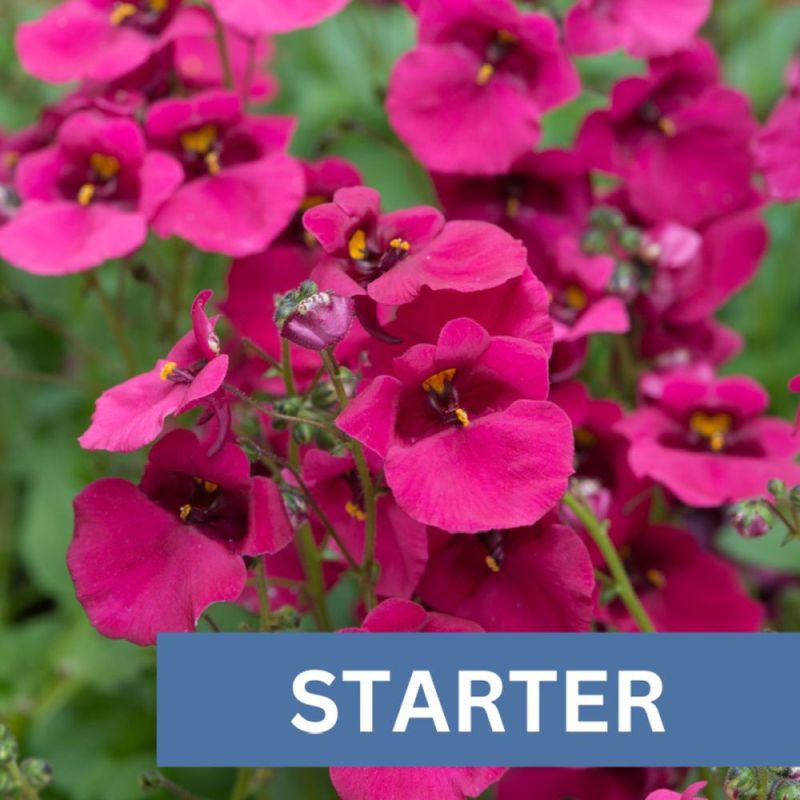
(477, 699)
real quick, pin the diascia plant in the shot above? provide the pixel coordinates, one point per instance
(501, 412)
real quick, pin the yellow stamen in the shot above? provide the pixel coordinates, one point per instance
(167, 370)
(309, 239)
(436, 383)
(484, 74)
(121, 12)
(199, 140)
(158, 6)
(354, 511)
(86, 194)
(576, 298)
(400, 244)
(506, 37)
(209, 487)
(312, 201)
(11, 159)
(462, 417)
(512, 207)
(107, 167)
(585, 438)
(491, 562)
(357, 246)
(185, 511)
(713, 427)
(656, 577)
(212, 162)
(667, 126)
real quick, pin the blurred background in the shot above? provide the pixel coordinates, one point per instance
(87, 704)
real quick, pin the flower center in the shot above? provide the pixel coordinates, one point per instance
(125, 11)
(443, 397)
(103, 171)
(498, 48)
(649, 113)
(371, 264)
(204, 501)
(203, 143)
(713, 428)
(495, 552)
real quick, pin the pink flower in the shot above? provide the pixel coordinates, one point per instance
(153, 557)
(93, 191)
(240, 188)
(314, 319)
(401, 547)
(258, 17)
(666, 794)
(679, 139)
(581, 300)
(579, 784)
(697, 272)
(132, 414)
(640, 27)
(529, 579)
(794, 386)
(707, 441)
(468, 439)
(778, 149)
(97, 40)
(542, 197)
(469, 97)
(390, 257)
(666, 565)
(412, 783)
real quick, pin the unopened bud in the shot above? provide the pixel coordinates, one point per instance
(630, 239)
(794, 497)
(595, 242)
(785, 790)
(314, 319)
(741, 783)
(751, 519)
(777, 488)
(150, 781)
(9, 750)
(38, 773)
(606, 217)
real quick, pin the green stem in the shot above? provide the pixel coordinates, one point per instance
(367, 489)
(312, 567)
(263, 596)
(114, 323)
(763, 783)
(241, 787)
(599, 533)
(25, 791)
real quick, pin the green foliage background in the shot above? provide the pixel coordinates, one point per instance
(87, 704)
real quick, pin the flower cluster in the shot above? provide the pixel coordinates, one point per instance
(504, 413)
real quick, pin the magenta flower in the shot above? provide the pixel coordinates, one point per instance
(258, 17)
(469, 97)
(707, 441)
(580, 784)
(543, 196)
(778, 149)
(581, 299)
(153, 557)
(679, 139)
(794, 386)
(468, 439)
(641, 27)
(401, 547)
(412, 783)
(690, 794)
(240, 188)
(697, 272)
(97, 40)
(93, 191)
(666, 565)
(132, 414)
(530, 579)
(390, 257)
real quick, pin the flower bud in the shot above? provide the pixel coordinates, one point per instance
(751, 519)
(741, 783)
(630, 239)
(9, 750)
(313, 319)
(38, 773)
(785, 790)
(150, 781)
(794, 497)
(777, 488)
